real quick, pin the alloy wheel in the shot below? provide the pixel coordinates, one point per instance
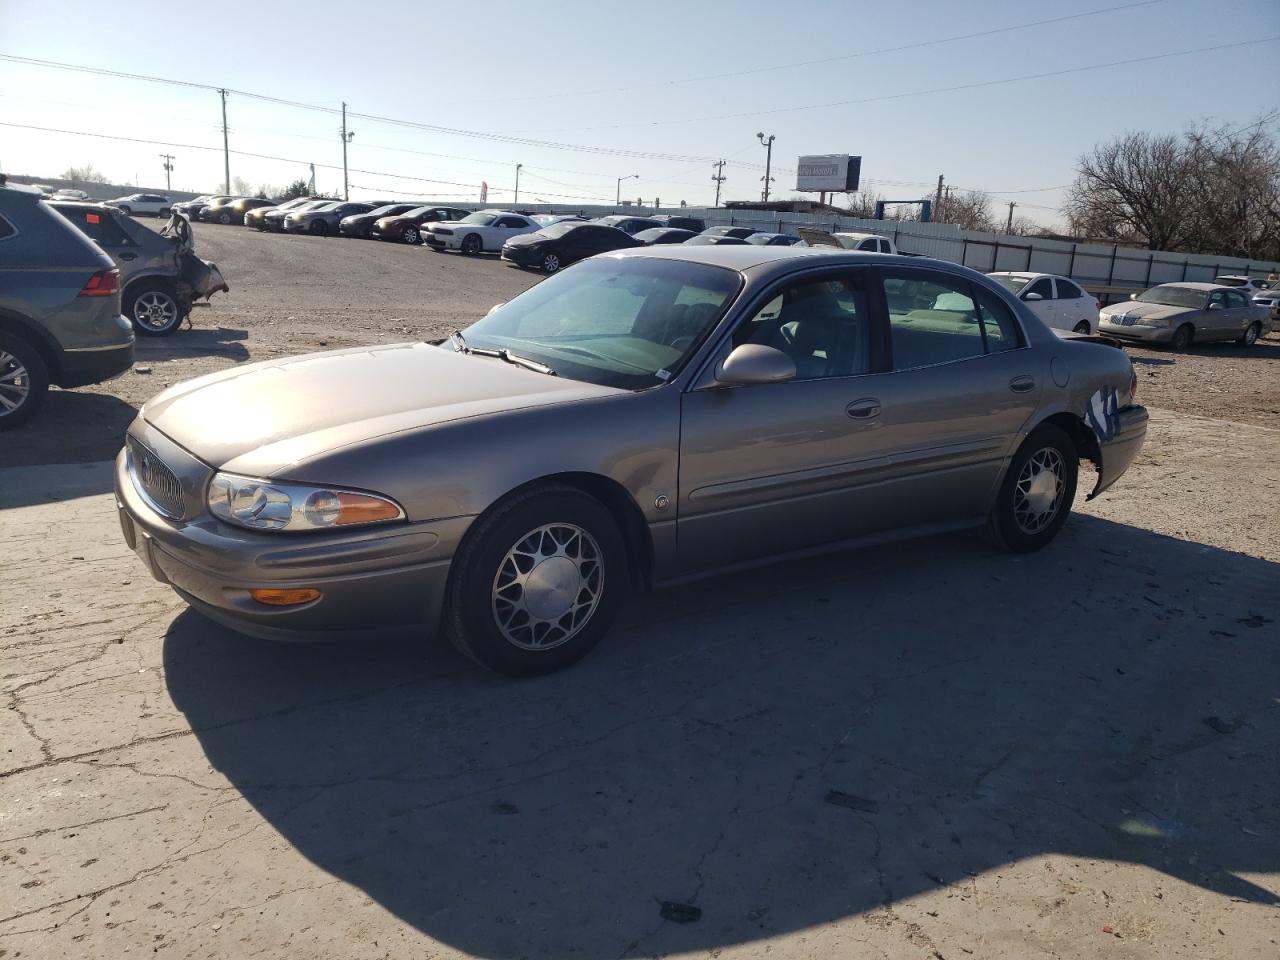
(551, 263)
(410, 235)
(15, 383)
(547, 587)
(1037, 495)
(155, 310)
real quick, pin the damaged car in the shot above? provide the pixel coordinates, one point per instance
(644, 417)
(160, 275)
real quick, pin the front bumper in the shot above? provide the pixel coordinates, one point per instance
(1136, 332)
(358, 230)
(372, 580)
(522, 256)
(437, 243)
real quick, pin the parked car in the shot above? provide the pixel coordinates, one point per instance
(476, 232)
(154, 204)
(237, 211)
(715, 240)
(1269, 300)
(773, 239)
(60, 317)
(629, 225)
(188, 207)
(257, 218)
(69, 195)
(274, 219)
(160, 275)
(660, 235)
(547, 219)
(212, 211)
(641, 418)
(323, 219)
(693, 224)
(1059, 302)
(738, 233)
(359, 225)
(1182, 313)
(407, 227)
(1249, 286)
(865, 242)
(561, 244)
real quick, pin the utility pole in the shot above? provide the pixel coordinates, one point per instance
(768, 161)
(517, 199)
(1008, 228)
(719, 178)
(937, 197)
(347, 135)
(226, 150)
(168, 169)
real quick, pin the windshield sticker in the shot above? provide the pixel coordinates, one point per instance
(1103, 415)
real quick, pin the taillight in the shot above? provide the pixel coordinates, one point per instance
(104, 283)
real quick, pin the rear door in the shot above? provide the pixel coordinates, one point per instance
(1240, 311)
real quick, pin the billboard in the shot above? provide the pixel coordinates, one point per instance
(829, 173)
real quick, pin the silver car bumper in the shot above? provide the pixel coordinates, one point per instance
(1161, 334)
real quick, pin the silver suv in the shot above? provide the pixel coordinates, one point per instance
(60, 316)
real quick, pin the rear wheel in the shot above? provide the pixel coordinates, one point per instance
(1182, 337)
(224, 217)
(319, 228)
(410, 235)
(1082, 327)
(537, 583)
(1250, 336)
(24, 381)
(1037, 491)
(472, 244)
(164, 212)
(153, 309)
(127, 211)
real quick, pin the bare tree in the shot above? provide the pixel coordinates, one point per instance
(241, 187)
(85, 174)
(970, 209)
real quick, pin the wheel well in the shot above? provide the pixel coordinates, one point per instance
(619, 503)
(1080, 434)
(29, 333)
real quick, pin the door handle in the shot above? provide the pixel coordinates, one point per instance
(1022, 384)
(128, 256)
(863, 409)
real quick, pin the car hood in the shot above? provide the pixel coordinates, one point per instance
(1147, 311)
(264, 418)
(358, 218)
(383, 222)
(527, 240)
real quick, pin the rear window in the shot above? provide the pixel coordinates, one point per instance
(97, 226)
(7, 229)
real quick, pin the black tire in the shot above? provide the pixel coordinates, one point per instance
(318, 228)
(153, 308)
(24, 381)
(1182, 337)
(472, 244)
(224, 217)
(474, 603)
(1250, 335)
(411, 235)
(1011, 524)
(551, 263)
(1082, 327)
(127, 211)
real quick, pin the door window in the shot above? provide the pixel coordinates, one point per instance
(1068, 290)
(511, 223)
(1236, 300)
(999, 329)
(1042, 287)
(821, 324)
(1217, 300)
(937, 319)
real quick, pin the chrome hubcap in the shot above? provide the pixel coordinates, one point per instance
(1251, 335)
(15, 383)
(411, 236)
(551, 263)
(1038, 493)
(548, 586)
(155, 310)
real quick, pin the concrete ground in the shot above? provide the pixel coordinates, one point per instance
(928, 750)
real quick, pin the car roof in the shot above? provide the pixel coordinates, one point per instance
(1194, 285)
(780, 259)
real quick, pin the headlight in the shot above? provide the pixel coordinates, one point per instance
(268, 505)
(1152, 322)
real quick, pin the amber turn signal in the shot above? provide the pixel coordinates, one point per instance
(285, 598)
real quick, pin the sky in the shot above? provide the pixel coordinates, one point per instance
(584, 93)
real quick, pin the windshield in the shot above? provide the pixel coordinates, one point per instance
(628, 323)
(389, 210)
(559, 229)
(1011, 283)
(1174, 297)
(762, 239)
(325, 205)
(481, 219)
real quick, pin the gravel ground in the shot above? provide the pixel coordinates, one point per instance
(927, 750)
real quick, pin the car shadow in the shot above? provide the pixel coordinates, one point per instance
(194, 342)
(779, 749)
(87, 426)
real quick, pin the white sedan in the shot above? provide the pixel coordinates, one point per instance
(483, 230)
(1057, 301)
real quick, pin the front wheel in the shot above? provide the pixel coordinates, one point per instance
(127, 211)
(318, 228)
(537, 583)
(1250, 336)
(551, 262)
(24, 381)
(1082, 327)
(410, 235)
(153, 309)
(1037, 491)
(224, 218)
(1182, 337)
(472, 245)
(164, 212)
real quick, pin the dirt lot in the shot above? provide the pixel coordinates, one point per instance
(924, 751)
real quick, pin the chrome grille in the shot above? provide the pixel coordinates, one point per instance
(157, 484)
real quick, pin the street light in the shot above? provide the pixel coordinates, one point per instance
(768, 161)
(517, 199)
(618, 201)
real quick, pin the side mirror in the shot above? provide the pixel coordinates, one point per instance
(1215, 305)
(1032, 297)
(1133, 296)
(754, 363)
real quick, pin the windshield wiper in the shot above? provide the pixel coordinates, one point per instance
(460, 346)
